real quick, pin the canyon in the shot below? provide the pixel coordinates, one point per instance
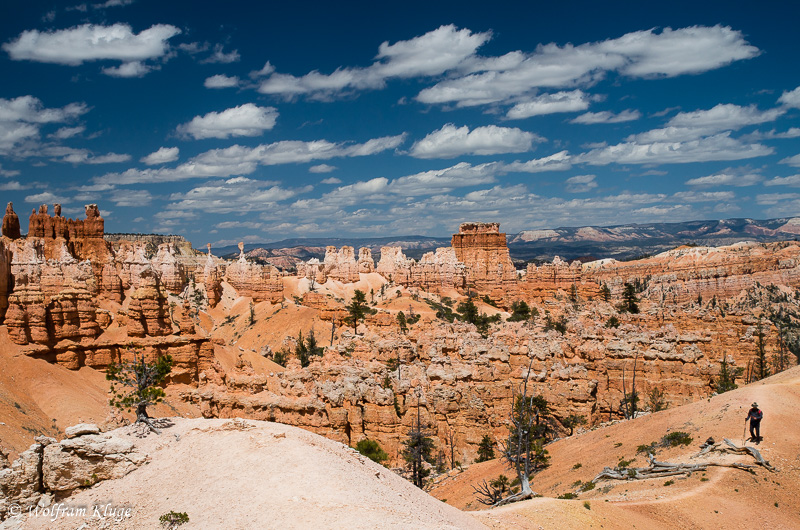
(71, 298)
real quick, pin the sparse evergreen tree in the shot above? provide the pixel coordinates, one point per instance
(727, 377)
(761, 363)
(357, 308)
(469, 311)
(418, 449)
(372, 450)
(572, 421)
(520, 311)
(656, 400)
(280, 357)
(605, 293)
(300, 350)
(485, 449)
(630, 303)
(573, 294)
(312, 347)
(401, 321)
(135, 385)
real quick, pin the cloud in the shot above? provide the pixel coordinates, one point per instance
(331, 180)
(581, 183)
(13, 186)
(793, 161)
(560, 161)
(321, 168)
(67, 132)
(83, 156)
(573, 101)
(244, 120)
(792, 132)
(30, 109)
(792, 181)
(724, 117)
(21, 119)
(704, 196)
(791, 98)
(90, 42)
(218, 56)
(164, 155)
(46, 197)
(727, 177)
(775, 198)
(240, 160)
(113, 3)
(234, 195)
(8, 172)
(430, 54)
(607, 117)
(265, 71)
(451, 141)
(643, 54)
(132, 69)
(221, 81)
(720, 147)
(239, 224)
(131, 198)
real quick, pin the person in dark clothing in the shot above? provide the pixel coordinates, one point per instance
(755, 416)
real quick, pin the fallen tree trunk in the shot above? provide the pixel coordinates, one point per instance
(658, 469)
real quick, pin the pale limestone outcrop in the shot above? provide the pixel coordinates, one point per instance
(259, 282)
(171, 272)
(52, 299)
(86, 460)
(212, 280)
(433, 272)
(50, 468)
(148, 312)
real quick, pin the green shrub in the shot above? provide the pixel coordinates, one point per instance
(567, 496)
(675, 439)
(174, 519)
(372, 450)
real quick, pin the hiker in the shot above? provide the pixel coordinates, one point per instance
(755, 416)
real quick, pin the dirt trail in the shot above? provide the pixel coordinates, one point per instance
(719, 497)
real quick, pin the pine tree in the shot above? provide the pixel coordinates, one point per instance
(140, 385)
(605, 293)
(401, 321)
(629, 299)
(485, 449)
(418, 449)
(357, 308)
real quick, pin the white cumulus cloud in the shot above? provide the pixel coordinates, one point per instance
(164, 155)
(573, 101)
(606, 116)
(430, 54)
(244, 120)
(646, 54)
(91, 42)
(581, 183)
(321, 168)
(451, 141)
(791, 98)
(221, 81)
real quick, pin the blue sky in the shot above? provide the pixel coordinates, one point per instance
(257, 122)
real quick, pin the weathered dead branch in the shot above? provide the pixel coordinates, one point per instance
(658, 469)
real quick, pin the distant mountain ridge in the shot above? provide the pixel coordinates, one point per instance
(621, 242)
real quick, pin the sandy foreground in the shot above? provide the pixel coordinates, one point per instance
(251, 474)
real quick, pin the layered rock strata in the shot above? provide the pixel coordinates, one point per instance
(259, 282)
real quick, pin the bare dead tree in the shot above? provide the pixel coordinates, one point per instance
(488, 494)
(519, 449)
(629, 401)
